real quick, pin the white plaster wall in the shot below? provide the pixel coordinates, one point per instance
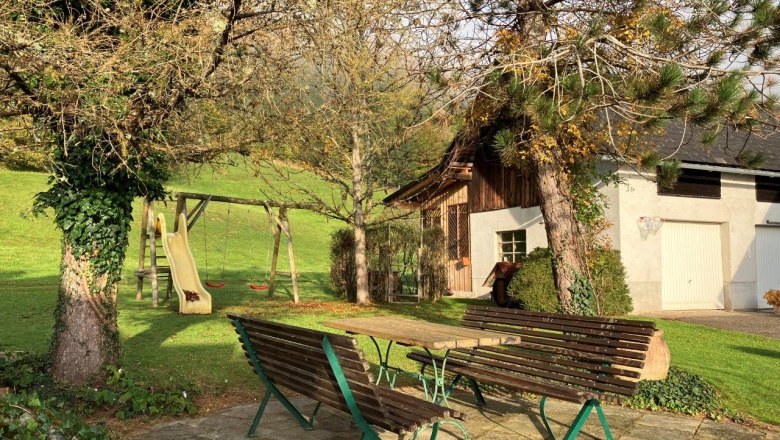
(485, 227)
(737, 211)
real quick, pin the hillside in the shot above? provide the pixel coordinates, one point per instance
(30, 251)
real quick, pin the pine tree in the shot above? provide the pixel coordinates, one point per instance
(566, 82)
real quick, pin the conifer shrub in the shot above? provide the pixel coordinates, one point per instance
(533, 287)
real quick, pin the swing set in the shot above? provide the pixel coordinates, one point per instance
(150, 235)
(221, 283)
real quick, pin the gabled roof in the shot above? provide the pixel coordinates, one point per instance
(679, 141)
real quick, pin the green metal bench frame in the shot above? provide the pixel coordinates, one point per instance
(368, 433)
(577, 424)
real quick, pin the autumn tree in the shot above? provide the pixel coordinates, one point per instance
(101, 85)
(565, 82)
(347, 108)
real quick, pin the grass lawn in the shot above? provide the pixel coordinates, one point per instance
(160, 344)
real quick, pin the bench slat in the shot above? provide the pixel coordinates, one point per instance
(564, 326)
(497, 377)
(527, 331)
(599, 320)
(512, 352)
(570, 377)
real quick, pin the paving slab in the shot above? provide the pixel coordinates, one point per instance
(512, 417)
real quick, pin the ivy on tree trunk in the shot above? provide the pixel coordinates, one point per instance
(92, 202)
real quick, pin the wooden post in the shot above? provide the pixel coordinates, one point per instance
(139, 288)
(277, 231)
(389, 264)
(181, 206)
(152, 232)
(285, 225)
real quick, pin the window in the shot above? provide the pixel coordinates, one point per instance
(457, 231)
(511, 245)
(694, 183)
(768, 189)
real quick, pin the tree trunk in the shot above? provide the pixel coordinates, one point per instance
(361, 264)
(86, 336)
(563, 230)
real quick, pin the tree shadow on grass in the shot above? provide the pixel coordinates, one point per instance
(758, 351)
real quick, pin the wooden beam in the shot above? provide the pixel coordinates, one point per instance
(243, 201)
(285, 226)
(142, 253)
(197, 210)
(277, 231)
(181, 206)
(151, 231)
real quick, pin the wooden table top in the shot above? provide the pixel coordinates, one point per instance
(421, 333)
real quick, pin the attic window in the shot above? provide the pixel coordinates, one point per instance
(694, 183)
(768, 189)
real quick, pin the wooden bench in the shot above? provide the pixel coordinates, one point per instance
(577, 359)
(329, 369)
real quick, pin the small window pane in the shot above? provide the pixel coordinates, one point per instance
(512, 245)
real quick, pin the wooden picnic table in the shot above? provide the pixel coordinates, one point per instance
(423, 334)
(429, 336)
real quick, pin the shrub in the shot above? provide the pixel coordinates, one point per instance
(26, 161)
(27, 416)
(608, 276)
(342, 262)
(681, 392)
(402, 246)
(772, 297)
(49, 404)
(433, 269)
(533, 286)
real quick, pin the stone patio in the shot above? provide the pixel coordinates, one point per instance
(503, 418)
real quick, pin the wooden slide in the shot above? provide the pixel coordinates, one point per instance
(193, 298)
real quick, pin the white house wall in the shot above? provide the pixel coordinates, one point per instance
(485, 227)
(736, 211)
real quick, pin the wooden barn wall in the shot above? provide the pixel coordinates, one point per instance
(458, 270)
(494, 186)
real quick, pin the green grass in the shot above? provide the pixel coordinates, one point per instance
(744, 368)
(160, 344)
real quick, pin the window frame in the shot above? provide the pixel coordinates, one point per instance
(766, 184)
(691, 182)
(516, 256)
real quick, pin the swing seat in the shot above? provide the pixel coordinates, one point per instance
(258, 287)
(215, 284)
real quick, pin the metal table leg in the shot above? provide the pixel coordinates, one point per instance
(441, 391)
(384, 368)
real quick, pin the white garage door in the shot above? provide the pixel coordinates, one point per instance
(691, 266)
(767, 261)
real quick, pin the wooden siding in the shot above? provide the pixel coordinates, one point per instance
(458, 269)
(494, 186)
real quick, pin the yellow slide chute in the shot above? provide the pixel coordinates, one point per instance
(193, 298)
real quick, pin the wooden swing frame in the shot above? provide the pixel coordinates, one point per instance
(279, 224)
